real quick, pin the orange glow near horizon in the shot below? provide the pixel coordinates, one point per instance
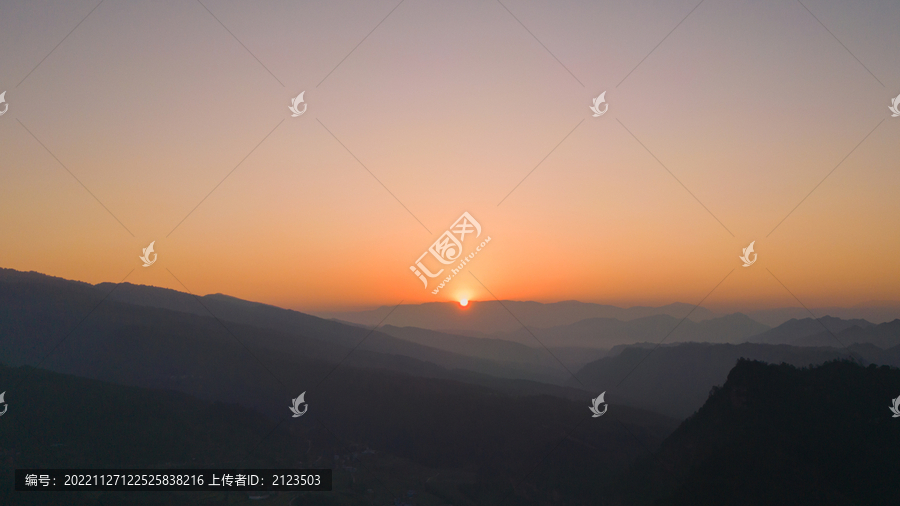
(649, 204)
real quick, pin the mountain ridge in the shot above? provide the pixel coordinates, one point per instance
(779, 435)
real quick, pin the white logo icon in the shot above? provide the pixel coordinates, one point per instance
(597, 402)
(3, 100)
(596, 107)
(746, 258)
(894, 108)
(895, 408)
(296, 102)
(146, 257)
(296, 407)
(5, 407)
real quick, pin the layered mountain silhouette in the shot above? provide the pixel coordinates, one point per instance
(873, 311)
(630, 326)
(148, 336)
(168, 346)
(591, 338)
(462, 419)
(606, 333)
(676, 379)
(480, 432)
(830, 331)
(487, 317)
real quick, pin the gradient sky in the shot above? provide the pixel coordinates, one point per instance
(450, 105)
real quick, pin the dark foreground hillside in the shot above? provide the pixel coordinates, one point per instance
(60, 421)
(384, 434)
(776, 434)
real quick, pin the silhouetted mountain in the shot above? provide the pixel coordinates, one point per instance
(829, 331)
(675, 379)
(499, 350)
(883, 335)
(487, 317)
(598, 333)
(795, 329)
(163, 344)
(874, 311)
(492, 316)
(428, 404)
(575, 357)
(777, 435)
(605, 333)
(492, 349)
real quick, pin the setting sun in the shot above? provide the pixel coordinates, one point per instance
(464, 302)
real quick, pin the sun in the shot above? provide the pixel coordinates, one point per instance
(464, 302)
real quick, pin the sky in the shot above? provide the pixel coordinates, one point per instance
(132, 122)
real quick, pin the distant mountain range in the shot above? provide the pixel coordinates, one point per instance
(676, 379)
(605, 333)
(589, 338)
(875, 312)
(482, 410)
(487, 317)
(161, 338)
(829, 331)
